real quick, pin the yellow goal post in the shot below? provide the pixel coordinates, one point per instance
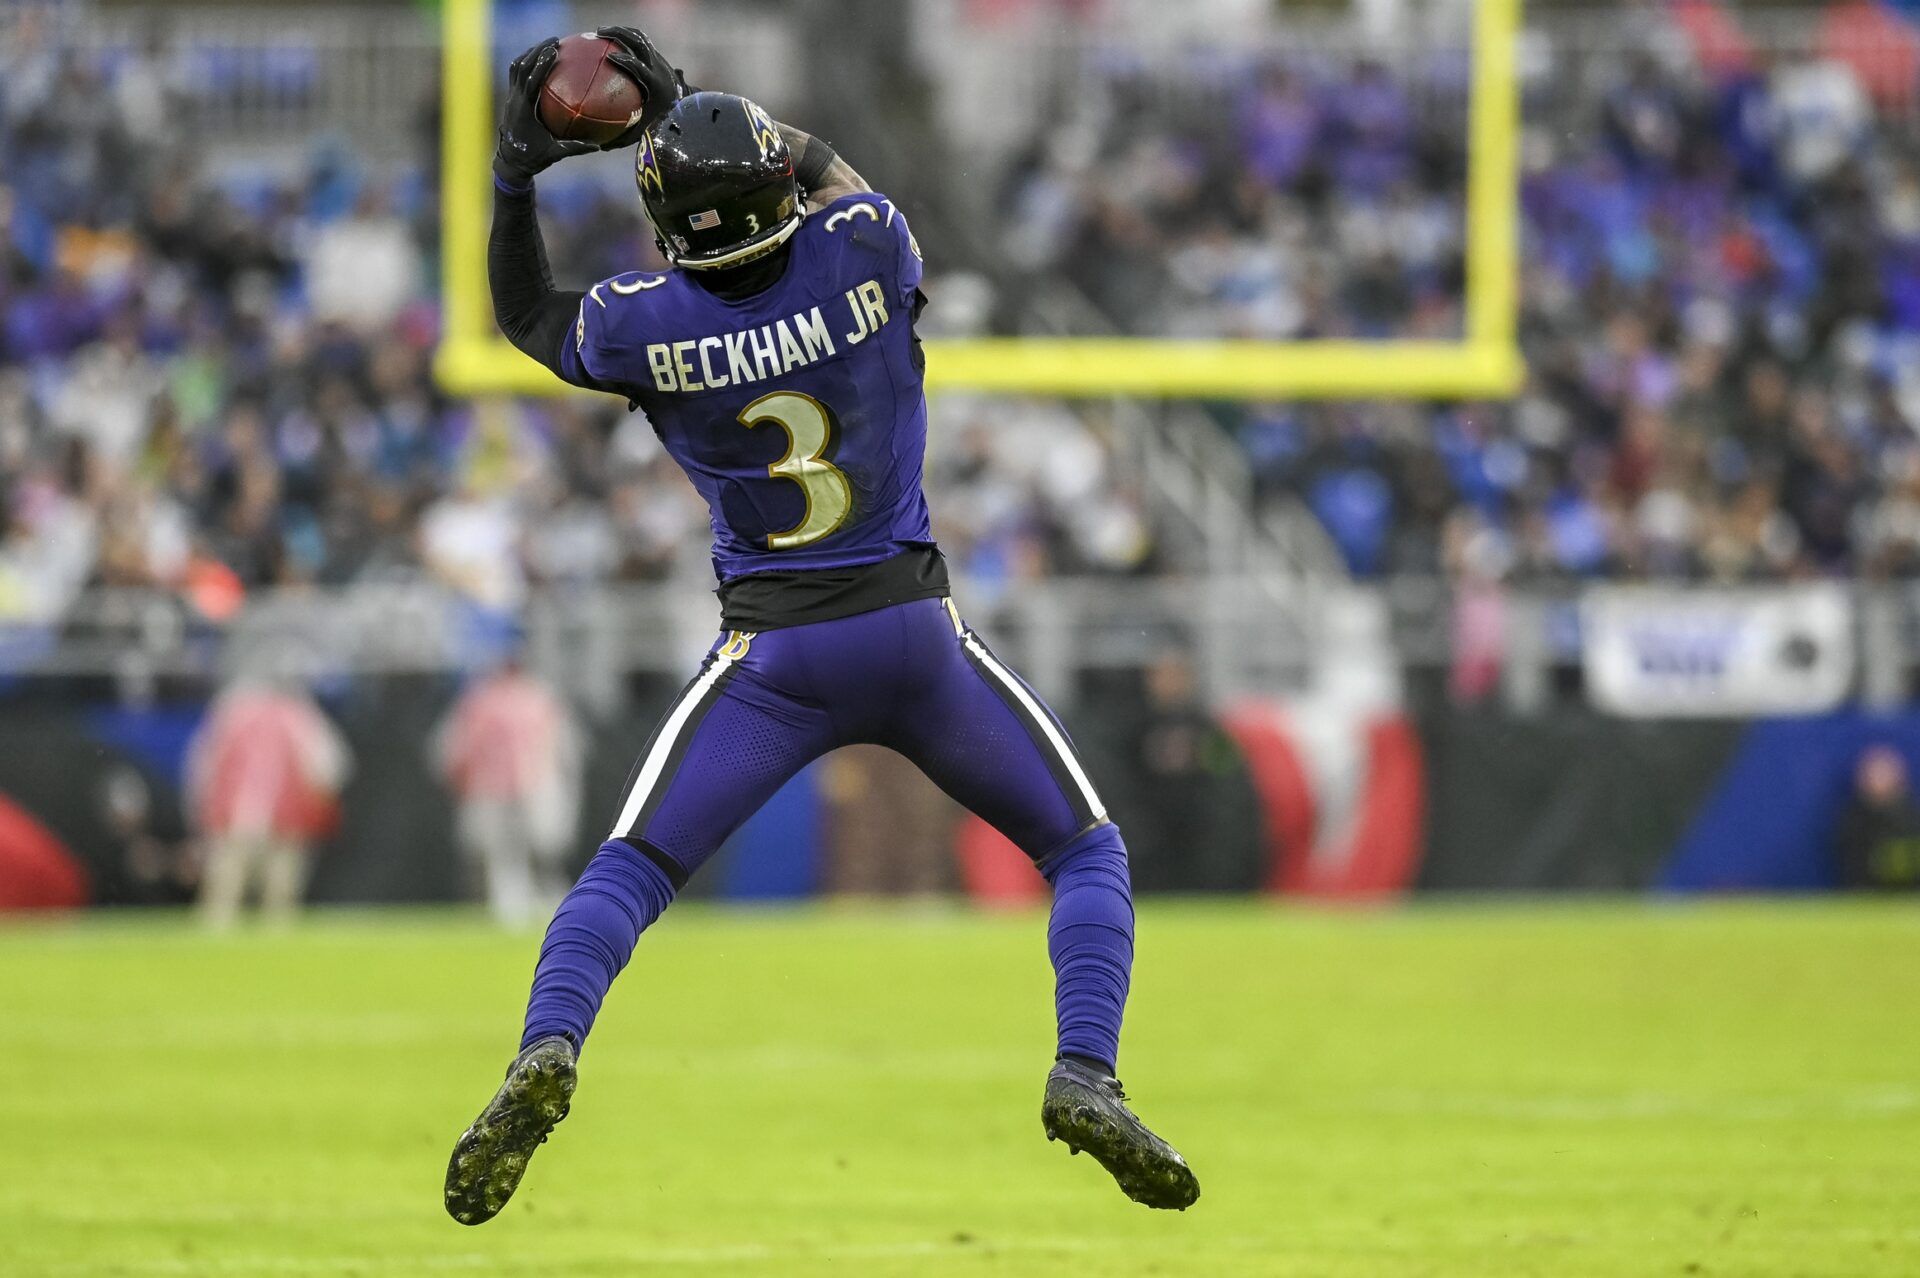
(474, 359)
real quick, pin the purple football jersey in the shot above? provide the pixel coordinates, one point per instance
(799, 412)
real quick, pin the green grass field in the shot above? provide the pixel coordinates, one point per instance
(1531, 1089)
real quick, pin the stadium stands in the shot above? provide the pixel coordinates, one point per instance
(1722, 299)
(224, 381)
(213, 382)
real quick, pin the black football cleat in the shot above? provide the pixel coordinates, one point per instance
(1087, 1109)
(491, 1156)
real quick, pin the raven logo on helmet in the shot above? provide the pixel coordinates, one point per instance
(647, 169)
(765, 132)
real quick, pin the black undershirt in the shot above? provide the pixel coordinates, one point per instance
(781, 598)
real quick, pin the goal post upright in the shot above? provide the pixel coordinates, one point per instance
(466, 129)
(1485, 363)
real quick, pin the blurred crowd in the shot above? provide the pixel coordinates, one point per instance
(217, 377)
(1721, 288)
(1316, 198)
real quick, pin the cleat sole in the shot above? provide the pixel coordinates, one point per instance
(491, 1157)
(1146, 1169)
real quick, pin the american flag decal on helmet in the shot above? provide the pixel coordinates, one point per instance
(705, 221)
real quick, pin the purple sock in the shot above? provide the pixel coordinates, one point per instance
(591, 938)
(1090, 939)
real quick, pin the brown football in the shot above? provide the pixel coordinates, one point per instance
(586, 98)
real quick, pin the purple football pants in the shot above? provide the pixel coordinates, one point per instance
(911, 677)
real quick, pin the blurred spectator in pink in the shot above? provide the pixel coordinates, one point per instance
(264, 774)
(511, 755)
(1719, 45)
(1881, 47)
(1479, 559)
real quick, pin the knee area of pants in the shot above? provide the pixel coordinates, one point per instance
(618, 864)
(1097, 854)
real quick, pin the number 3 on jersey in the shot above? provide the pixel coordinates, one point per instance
(809, 428)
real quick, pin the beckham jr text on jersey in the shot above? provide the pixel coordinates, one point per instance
(798, 412)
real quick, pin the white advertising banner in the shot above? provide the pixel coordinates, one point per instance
(1654, 651)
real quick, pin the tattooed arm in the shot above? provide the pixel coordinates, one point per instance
(822, 174)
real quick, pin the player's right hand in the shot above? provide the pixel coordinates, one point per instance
(525, 147)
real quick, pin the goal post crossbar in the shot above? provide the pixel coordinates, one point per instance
(1485, 363)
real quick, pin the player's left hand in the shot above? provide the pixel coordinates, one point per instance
(525, 147)
(643, 64)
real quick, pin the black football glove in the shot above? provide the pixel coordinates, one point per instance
(525, 147)
(643, 64)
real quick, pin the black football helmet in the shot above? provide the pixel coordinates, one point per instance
(717, 181)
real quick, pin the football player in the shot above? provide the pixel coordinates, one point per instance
(776, 358)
